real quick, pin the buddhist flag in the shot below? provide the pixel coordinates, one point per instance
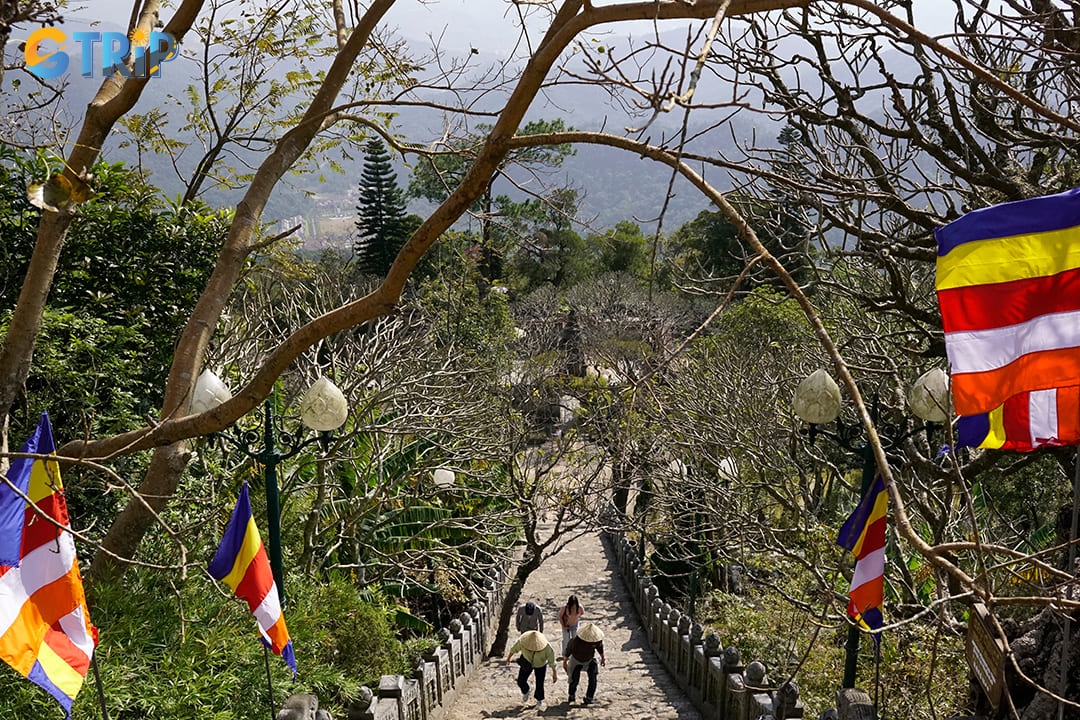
(864, 535)
(241, 563)
(45, 630)
(1030, 420)
(1008, 283)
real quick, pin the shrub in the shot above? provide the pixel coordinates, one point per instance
(183, 649)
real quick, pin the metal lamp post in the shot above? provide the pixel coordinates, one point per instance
(817, 401)
(323, 409)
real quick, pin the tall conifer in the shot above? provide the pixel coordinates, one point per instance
(381, 228)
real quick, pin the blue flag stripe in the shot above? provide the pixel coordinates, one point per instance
(13, 507)
(1034, 215)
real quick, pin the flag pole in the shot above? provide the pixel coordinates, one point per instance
(877, 674)
(1069, 568)
(269, 682)
(100, 687)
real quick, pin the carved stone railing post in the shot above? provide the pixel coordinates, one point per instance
(302, 707)
(671, 638)
(409, 701)
(644, 585)
(391, 690)
(682, 646)
(431, 672)
(457, 654)
(659, 628)
(364, 706)
(468, 640)
(714, 673)
(786, 702)
(732, 668)
(649, 605)
(760, 701)
(737, 700)
(423, 675)
(696, 669)
(854, 704)
(447, 675)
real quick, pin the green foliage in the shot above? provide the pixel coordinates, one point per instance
(149, 133)
(181, 649)
(552, 252)
(710, 246)
(131, 270)
(262, 65)
(765, 626)
(462, 311)
(766, 319)
(623, 249)
(436, 176)
(381, 227)
(350, 635)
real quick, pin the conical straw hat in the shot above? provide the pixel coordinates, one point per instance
(590, 633)
(533, 640)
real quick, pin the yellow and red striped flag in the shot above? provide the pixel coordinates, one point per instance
(1008, 283)
(45, 629)
(241, 563)
(864, 535)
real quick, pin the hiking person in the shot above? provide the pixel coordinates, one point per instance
(581, 653)
(529, 617)
(536, 656)
(569, 617)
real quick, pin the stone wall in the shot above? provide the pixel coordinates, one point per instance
(438, 676)
(714, 677)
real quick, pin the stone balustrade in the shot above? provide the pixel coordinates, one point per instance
(438, 676)
(713, 677)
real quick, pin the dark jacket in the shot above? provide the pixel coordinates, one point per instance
(583, 651)
(529, 617)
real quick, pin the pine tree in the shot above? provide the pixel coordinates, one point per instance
(381, 227)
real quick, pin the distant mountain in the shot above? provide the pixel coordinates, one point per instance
(615, 185)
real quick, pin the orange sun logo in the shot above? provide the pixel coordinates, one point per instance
(139, 38)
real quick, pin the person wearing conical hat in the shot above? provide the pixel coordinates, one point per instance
(581, 653)
(536, 656)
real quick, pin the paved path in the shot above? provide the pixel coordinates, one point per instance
(633, 686)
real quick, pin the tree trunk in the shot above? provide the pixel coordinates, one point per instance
(162, 478)
(529, 563)
(168, 462)
(620, 485)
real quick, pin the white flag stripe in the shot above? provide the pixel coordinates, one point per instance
(982, 350)
(1042, 415)
(41, 567)
(870, 567)
(269, 610)
(74, 626)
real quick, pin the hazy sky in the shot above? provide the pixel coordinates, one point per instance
(466, 22)
(485, 24)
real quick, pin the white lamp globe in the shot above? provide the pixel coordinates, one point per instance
(209, 392)
(929, 396)
(323, 407)
(817, 398)
(444, 478)
(727, 470)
